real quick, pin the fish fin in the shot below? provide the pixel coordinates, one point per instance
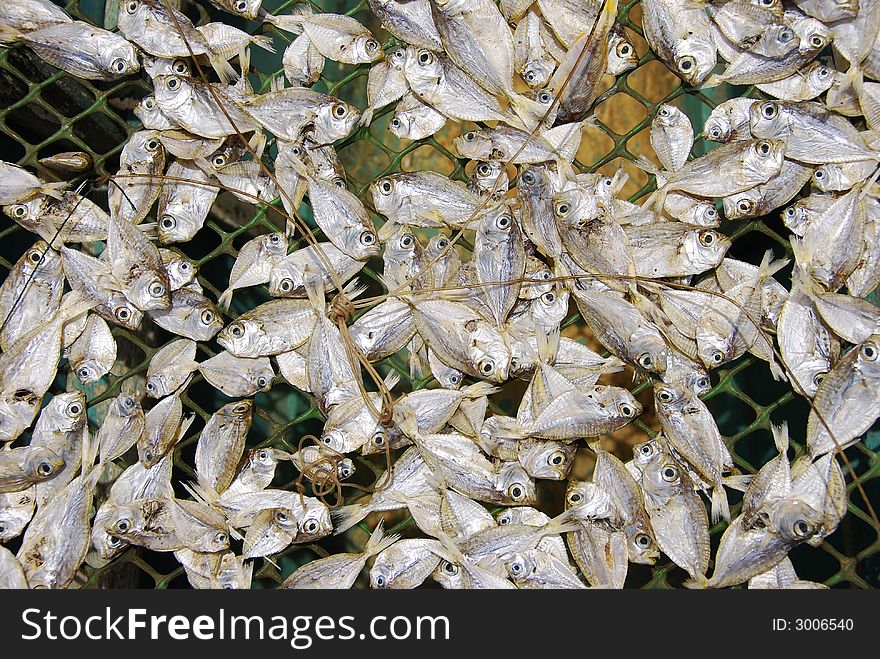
(378, 541)
(354, 289)
(9, 35)
(391, 380)
(292, 22)
(348, 516)
(75, 303)
(562, 523)
(225, 299)
(713, 81)
(184, 426)
(548, 344)
(409, 426)
(769, 267)
(479, 389)
(367, 117)
(387, 230)
(315, 293)
(258, 143)
(90, 449)
(54, 189)
(720, 507)
(436, 481)
(739, 482)
(149, 229)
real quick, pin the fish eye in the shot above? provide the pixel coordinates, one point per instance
(503, 222)
(665, 395)
(607, 182)
(399, 53)
(455, 378)
(646, 360)
(449, 568)
(207, 317)
(646, 449)
(817, 41)
(768, 110)
(380, 581)
(262, 382)
(241, 408)
(123, 314)
(45, 469)
(379, 438)
(262, 455)
(669, 473)
(786, 35)
(311, 526)
(790, 212)
(241, 6)
(562, 209)
(151, 386)
(470, 136)
(152, 146)
(707, 238)
(114, 541)
(339, 182)
(504, 519)
(802, 528)
(236, 330)
(371, 44)
(624, 49)
(395, 122)
(183, 266)
(132, 6)
(75, 409)
(516, 568)
(575, 497)
(123, 525)
(425, 58)
(118, 65)
(545, 97)
(869, 352)
(627, 410)
(744, 206)
(483, 169)
(367, 238)
(764, 148)
(180, 67)
(275, 239)
(687, 64)
(19, 211)
(218, 161)
(528, 177)
(345, 471)
(148, 455)
(664, 112)
(221, 538)
(487, 366)
(286, 285)
(818, 378)
(173, 84)
(34, 257)
(819, 174)
(717, 356)
(167, 222)
(529, 76)
(556, 458)
(549, 297)
(339, 110)
(516, 492)
(385, 186)
(711, 213)
(157, 289)
(443, 243)
(643, 540)
(407, 240)
(823, 72)
(703, 383)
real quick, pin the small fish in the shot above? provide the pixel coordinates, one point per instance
(171, 368)
(121, 429)
(93, 353)
(405, 564)
(164, 427)
(84, 50)
(23, 467)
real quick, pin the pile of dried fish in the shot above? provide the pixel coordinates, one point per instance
(652, 282)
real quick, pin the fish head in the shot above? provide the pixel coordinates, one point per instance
(622, 55)
(345, 469)
(422, 66)
(705, 248)
(515, 485)
(497, 225)
(180, 270)
(642, 545)
(490, 176)
(286, 279)
(120, 58)
(449, 575)
(361, 241)
(177, 225)
(661, 479)
(367, 49)
(42, 463)
(669, 396)
(488, 353)
(274, 244)
(335, 121)
(648, 349)
(575, 207)
(714, 348)
(241, 411)
(314, 522)
(388, 194)
(520, 566)
(694, 58)
(868, 360)
(382, 573)
(814, 35)
(125, 405)
(65, 412)
(831, 177)
(17, 410)
(551, 307)
(27, 212)
(546, 459)
(646, 452)
(172, 91)
(474, 144)
(537, 72)
(124, 313)
(107, 544)
(795, 521)
(763, 160)
(89, 371)
(150, 291)
(247, 8)
(741, 205)
(769, 120)
(241, 336)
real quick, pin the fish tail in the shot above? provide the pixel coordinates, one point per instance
(720, 507)
(699, 582)
(780, 436)
(739, 482)
(225, 299)
(348, 516)
(548, 343)
(54, 189)
(479, 389)
(562, 523)
(265, 43)
(769, 267)
(713, 81)
(367, 117)
(292, 23)
(258, 143)
(75, 304)
(223, 68)
(9, 35)
(379, 541)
